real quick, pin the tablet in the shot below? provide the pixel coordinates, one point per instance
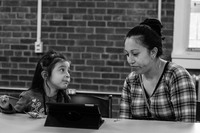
(73, 115)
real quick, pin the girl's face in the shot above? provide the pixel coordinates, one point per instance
(137, 55)
(60, 76)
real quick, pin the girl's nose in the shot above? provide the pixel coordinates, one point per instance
(67, 74)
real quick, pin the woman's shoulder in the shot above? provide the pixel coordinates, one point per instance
(176, 70)
(175, 67)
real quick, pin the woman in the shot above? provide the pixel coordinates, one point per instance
(155, 89)
(51, 78)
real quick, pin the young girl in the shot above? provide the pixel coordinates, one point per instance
(51, 78)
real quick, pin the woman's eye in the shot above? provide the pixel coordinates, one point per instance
(135, 54)
(126, 54)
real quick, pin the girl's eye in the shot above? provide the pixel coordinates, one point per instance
(62, 70)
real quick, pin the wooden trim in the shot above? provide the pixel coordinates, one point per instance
(13, 88)
(97, 92)
(77, 91)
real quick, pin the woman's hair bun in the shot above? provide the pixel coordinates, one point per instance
(155, 25)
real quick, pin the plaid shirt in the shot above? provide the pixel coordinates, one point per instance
(174, 98)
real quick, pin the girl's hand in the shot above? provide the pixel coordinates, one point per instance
(4, 102)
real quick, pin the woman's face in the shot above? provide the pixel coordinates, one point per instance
(137, 55)
(60, 76)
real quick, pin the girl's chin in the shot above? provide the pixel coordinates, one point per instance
(64, 86)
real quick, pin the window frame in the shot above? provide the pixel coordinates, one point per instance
(180, 53)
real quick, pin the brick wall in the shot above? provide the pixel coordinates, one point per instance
(89, 32)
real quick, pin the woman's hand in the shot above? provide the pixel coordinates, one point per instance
(4, 102)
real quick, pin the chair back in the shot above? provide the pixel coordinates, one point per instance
(105, 104)
(198, 111)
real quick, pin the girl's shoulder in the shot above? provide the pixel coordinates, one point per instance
(31, 93)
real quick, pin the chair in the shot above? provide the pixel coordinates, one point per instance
(198, 111)
(105, 104)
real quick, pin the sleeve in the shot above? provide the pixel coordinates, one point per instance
(183, 96)
(21, 105)
(24, 102)
(11, 110)
(125, 103)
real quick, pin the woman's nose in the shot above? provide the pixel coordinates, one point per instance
(130, 60)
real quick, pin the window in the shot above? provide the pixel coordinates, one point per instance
(186, 43)
(194, 28)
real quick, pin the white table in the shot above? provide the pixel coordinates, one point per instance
(21, 123)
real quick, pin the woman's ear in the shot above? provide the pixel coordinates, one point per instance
(44, 75)
(154, 52)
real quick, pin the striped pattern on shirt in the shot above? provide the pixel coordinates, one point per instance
(173, 99)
